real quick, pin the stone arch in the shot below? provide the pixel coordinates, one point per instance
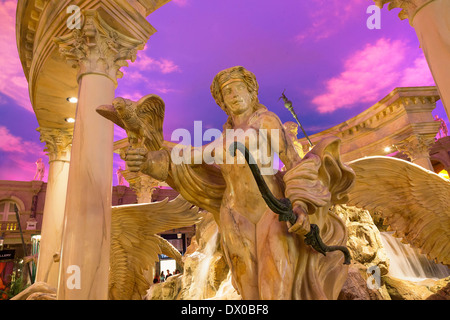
(16, 200)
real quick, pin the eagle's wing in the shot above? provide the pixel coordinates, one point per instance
(110, 113)
(150, 111)
(135, 245)
(414, 202)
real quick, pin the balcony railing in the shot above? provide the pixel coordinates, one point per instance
(9, 226)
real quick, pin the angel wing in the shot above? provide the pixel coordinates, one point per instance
(135, 244)
(150, 110)
(413, 201)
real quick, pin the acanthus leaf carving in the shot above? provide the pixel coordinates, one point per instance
(58, 143)
(98, 48)
(415, 147)
(410, 7)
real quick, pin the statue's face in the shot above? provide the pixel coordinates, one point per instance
(294, 131)
(236, 97)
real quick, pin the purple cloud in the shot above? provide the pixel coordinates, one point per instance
(372, 72)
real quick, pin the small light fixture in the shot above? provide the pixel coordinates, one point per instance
(387, 149)
(179, 235)
(70, 120)
(72, 99)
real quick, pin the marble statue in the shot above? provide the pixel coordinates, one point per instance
(40, 170)
(135, 244)
(443, 130)
(120, 177)
(292, 131)
(412, 201)
(268, 258)
(142, 120)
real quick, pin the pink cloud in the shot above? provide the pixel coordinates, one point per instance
(19, 157)
(180, 3)
(371, 73)
(327, 17)
(417, 74)
(11, 143)
(12, 79)
(137, 80)
(18, 169)
(163, 65)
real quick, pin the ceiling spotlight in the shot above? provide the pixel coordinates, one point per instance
(72, 99)
(70, 120)
(387, 149)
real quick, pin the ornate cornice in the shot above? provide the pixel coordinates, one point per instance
(58, 143)
(98, 48)
(410, 7)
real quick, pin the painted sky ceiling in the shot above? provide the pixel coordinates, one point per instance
(321, 52)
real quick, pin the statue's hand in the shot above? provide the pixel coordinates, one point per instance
(136, 158)
(152, 163)
(302, 225)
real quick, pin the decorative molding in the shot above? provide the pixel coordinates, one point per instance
(33, 18)
(58, 143)
(143, 185)
(98, 48)
(152, 5)
(416, 147)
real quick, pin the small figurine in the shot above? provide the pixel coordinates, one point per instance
(40, 170)
(120, 176)
(443, 128)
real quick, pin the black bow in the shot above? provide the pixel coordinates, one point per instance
(283, 207)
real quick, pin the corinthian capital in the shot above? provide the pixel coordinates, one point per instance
(98, 48)
(416, 146)
(143, 185)
(410, 7)
(58, 143)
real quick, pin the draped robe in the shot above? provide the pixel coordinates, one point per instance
(274, 263)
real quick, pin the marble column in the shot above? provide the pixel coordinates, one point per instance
(417, 148)
(98, 51)
(431, 21)
(58, 145)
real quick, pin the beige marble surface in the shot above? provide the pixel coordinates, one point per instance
(432, 25)
(86, 235)
(59, 144)
(268, 258)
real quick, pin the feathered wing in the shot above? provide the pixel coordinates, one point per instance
(169, 250)
(150, 110)
(413, 201)
(135, 244)
(110, 113)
